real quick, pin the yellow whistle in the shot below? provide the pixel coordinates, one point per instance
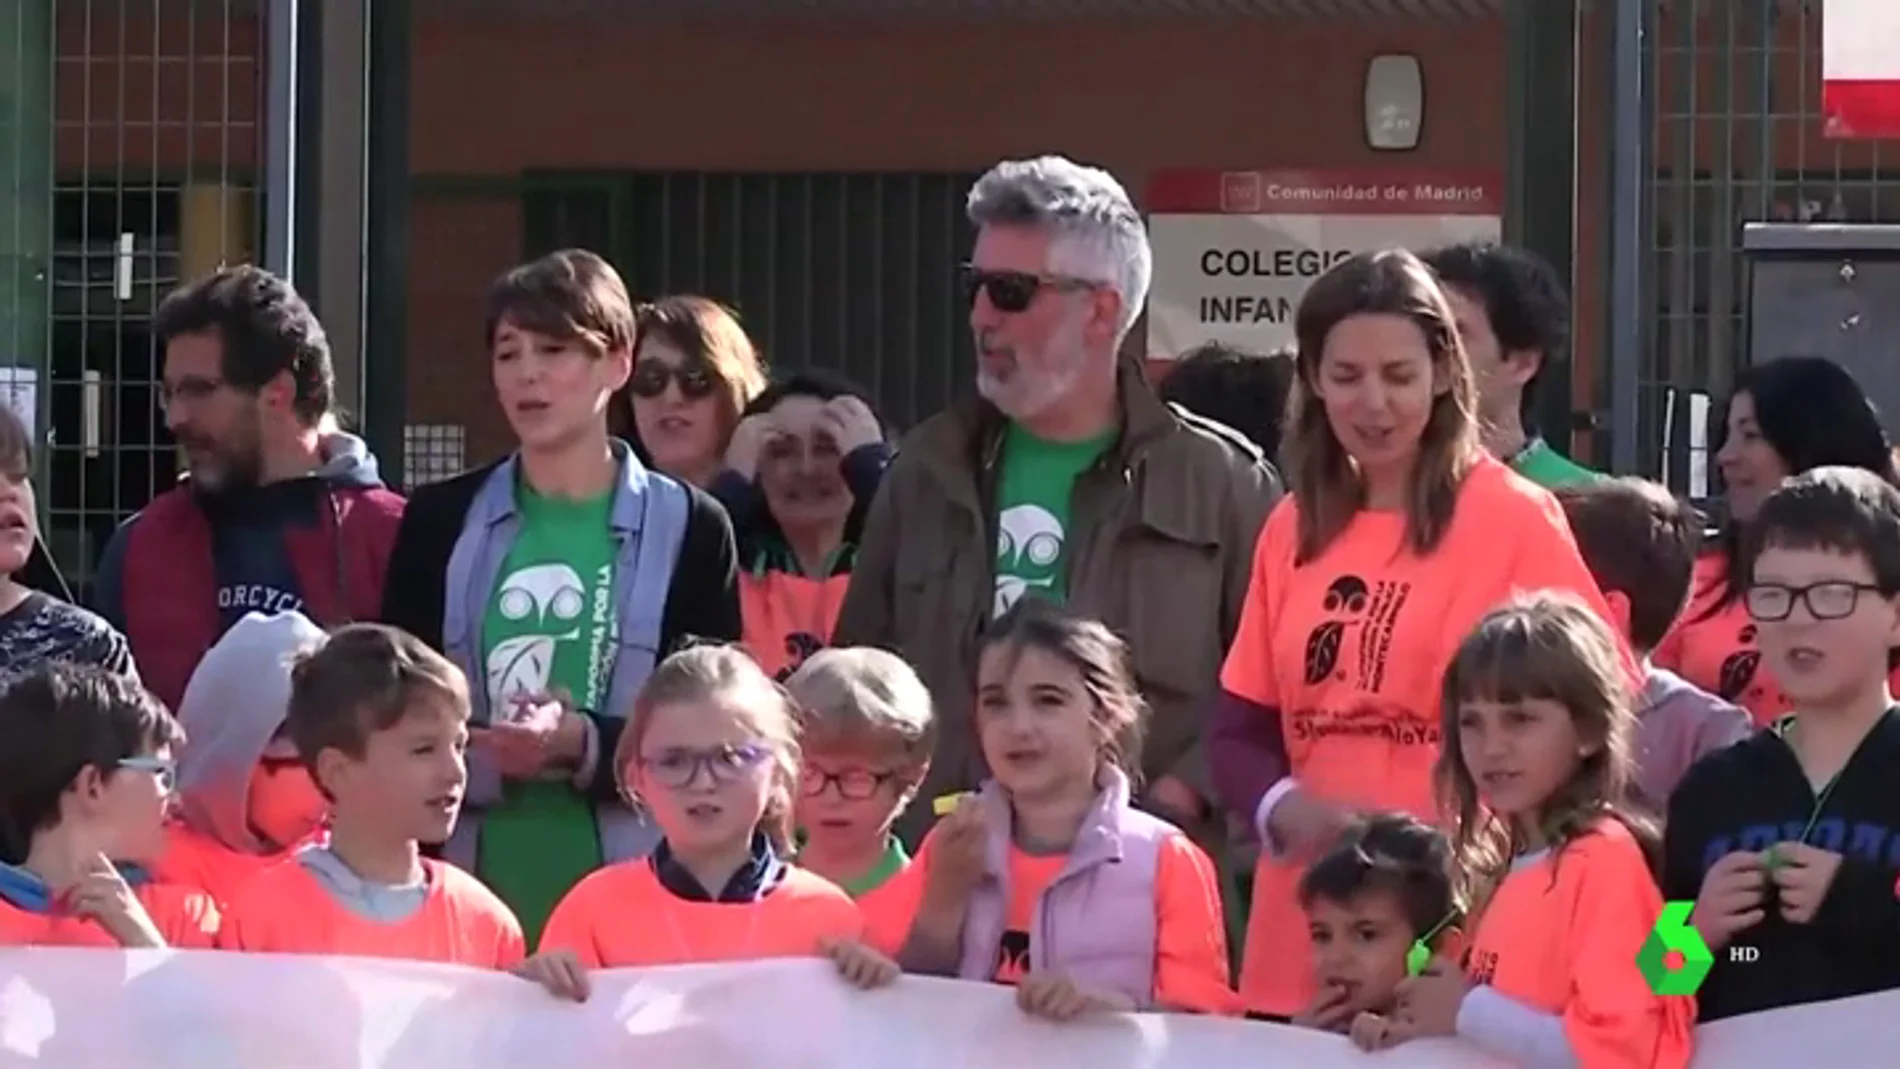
(947, 803)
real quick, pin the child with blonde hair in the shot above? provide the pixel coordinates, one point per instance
(1048, 878)
(869, 727)
(1551, 864)
(711, 753)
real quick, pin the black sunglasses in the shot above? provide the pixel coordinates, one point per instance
(651, 376)
(1015, 291)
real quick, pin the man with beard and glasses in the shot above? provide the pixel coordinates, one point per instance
(1068, 479)
(278, 510)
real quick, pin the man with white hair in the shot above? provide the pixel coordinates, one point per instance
(1068, 479)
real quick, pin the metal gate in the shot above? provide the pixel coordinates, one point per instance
(129, 139)
(1736, 137)
(856, 272)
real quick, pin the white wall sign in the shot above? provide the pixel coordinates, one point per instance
(1235, 250)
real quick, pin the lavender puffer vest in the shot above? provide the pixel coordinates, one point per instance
(1096, 919)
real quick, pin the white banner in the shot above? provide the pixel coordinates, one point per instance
(88, 1009)
(1234, 251)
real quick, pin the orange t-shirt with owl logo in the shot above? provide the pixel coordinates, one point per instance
(788, 617)
(1351, 648)
(1715, 648)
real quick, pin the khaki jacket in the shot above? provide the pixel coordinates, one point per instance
(1160, 548)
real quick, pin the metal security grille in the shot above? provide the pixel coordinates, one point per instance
(1738, 138)
(854, 272)
(151, 110)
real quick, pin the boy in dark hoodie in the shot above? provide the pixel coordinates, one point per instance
(85, 778)
(245, 799)
(1789, 842)
(1639, 542)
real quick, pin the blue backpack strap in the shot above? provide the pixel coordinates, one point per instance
(644, 578)
(488, 533)
(474, 566)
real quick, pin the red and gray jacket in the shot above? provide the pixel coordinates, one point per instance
(189, 565)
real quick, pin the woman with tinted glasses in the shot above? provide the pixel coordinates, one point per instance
(1785, 417)
(694, 371)
(556, 579)
(801, 470)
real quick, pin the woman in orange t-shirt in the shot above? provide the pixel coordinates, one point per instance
(1536, 766)
(1400, 533)
(1785, 417)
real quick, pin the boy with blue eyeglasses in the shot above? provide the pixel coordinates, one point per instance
(86, 778)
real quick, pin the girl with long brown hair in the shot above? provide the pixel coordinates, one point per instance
(1048, 878)
(1401, 533)
(1556, 870)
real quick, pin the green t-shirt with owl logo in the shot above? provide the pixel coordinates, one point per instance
(1032, 513)
(550, 626)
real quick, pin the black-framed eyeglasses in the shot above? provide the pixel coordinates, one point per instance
(854, 784)
(188, 389)
(165, 771)
(1829, 600)
(651, 376)
(679, 767)
(1015, 291)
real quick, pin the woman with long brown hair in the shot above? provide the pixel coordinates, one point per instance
(1401, 533)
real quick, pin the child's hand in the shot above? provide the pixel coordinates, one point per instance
(560, 971)
(1056, 997)
(1301, 824)
(1428, 1003)
(535, 734)
(1330, 1011)
(103, 896)
(861, 966)
(1802, 875)
(1731, 898)
(959, 852)
(1370, 1031)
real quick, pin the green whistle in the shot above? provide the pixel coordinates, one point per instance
(1417, 958)
(1771, 859)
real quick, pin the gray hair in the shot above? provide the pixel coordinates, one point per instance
(1096, 232)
